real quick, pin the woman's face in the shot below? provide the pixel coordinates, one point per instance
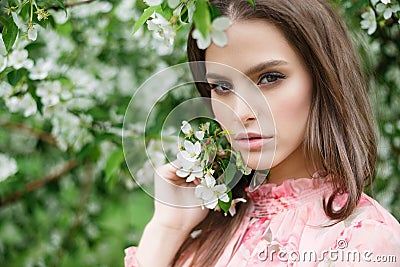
(266, 110)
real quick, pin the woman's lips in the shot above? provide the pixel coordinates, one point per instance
(252, 141)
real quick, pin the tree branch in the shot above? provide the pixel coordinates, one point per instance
(39, 183)
(67, 5)
(44, 136)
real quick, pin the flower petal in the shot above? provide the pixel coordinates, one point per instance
(186, 161)
(232, 210)
(220, 189)
(153, 2)
(224, 198)
(189, 146)
(173, 3)
(186, 127)
(211, 203)
(219, 38)
(191, 178)
(197, 148)
(32, 33)
(199, 135)
(182, 173)
(202, 42)
(221, 23)
(388, 13)
(199, 190)
(210, 181)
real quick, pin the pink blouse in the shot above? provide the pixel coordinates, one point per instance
(286, 226)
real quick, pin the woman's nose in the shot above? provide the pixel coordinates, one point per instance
(243, 110)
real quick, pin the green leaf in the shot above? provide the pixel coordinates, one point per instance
(113, 163)
(145, 16)
(61, 4)
(202, 17)
(10, 33)
(252, 3)
(4, 21)
(226, 205)
(229, 173)
(166, 11)
(15, 76)
(215, 12)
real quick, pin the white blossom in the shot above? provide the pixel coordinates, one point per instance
(32, 32)
(195, 233)
(232, 209)
(60, 17)
(153, 2)
(19, 22)
(25, 104)
(191, 151)
(6, 89)
(162, 47)
(199, 135)
(69, 132)
(173, 3)
(178, 6)
(91, 9)
(49, 92)
(192, 167)
(162, 29)
(19, 59)
(8, 167)
(210, 193)
(186, 128)
(196, 171)
(369, 21)
(215, 33)
(125, 81)
(40, 70)
(125, 9)
(387, 10)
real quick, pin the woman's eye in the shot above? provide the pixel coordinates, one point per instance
(271, 77)
(221, 88)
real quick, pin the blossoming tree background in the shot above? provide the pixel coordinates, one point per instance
(68, 70)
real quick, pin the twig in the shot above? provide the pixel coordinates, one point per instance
(67, 5)
(44, 136)
(39, 183)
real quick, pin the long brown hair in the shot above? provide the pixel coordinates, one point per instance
(340, 128)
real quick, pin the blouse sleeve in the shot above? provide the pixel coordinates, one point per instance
(130, 257)
(368, 243)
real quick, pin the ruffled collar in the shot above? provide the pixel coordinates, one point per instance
(269, 199)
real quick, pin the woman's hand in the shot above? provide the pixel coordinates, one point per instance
(177, 211)
(176, 206)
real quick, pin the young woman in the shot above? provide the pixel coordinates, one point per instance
(311, 210)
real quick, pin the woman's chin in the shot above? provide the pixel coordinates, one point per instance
(262, 162)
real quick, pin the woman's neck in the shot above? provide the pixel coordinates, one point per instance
(294, 166)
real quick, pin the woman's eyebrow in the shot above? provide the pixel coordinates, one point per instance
(254, 69)
(264, 65)
(211, 75)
